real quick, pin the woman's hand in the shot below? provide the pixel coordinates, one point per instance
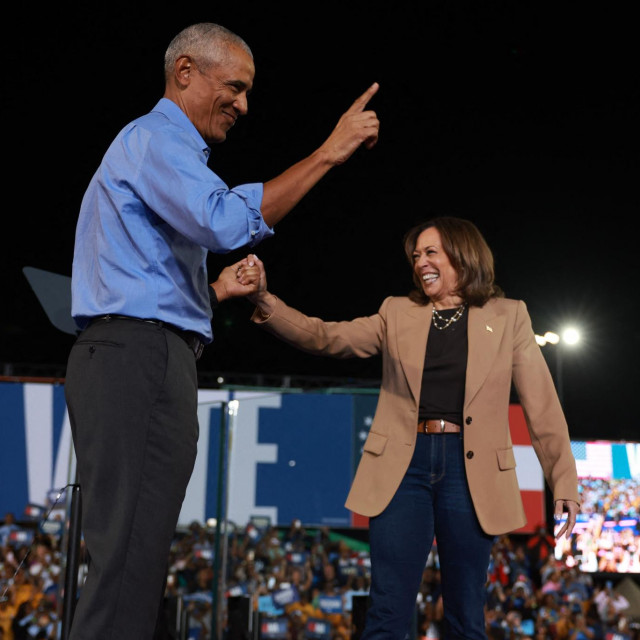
(253, 272)
(572, 508)
(265, 301)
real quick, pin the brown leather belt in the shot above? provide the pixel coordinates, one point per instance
(437, 426)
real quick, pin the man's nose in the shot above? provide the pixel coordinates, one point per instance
(241, 104)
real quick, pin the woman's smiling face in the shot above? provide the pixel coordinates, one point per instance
(434, 269)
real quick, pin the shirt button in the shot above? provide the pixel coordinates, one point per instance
(469, 420)
(469, 454)
(253, 233)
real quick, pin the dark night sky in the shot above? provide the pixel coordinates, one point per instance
(520, 116)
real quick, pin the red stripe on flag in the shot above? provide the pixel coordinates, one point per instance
(359, 521)
(534, 508)
(533, 501)
(518, 426)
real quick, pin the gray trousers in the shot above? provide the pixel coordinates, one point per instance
(131, 390)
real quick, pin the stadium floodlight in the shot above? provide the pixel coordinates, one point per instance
(571, 336)
(568, 337)
(551, 337)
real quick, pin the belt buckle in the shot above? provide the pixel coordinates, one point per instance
(441, 425)
(198, 348)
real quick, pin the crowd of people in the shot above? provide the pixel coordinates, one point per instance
(307, 583)
(30, 573)
(609, 541)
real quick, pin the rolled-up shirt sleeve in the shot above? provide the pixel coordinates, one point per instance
(180, 188)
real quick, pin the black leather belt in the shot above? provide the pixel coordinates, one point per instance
(192, 339)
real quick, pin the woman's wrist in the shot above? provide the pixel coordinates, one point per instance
(265, 303)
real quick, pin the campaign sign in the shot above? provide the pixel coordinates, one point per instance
(297, 557)
(349, 567)
(330, 604)
(20, 537)
(52, 527)
(199, 597)
(34, 511)
(204, 552)
(274, 629)
(317, 629)
(283, 597)
(267, 606)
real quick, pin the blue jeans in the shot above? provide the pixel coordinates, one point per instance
(433, 499)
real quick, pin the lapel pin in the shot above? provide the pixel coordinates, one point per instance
(488, 328)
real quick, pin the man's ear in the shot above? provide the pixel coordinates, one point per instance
(183, 69)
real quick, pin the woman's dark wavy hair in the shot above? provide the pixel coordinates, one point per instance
(469, 254)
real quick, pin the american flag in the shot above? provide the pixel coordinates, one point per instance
(607, 459)
(528, 471)
(593, 459)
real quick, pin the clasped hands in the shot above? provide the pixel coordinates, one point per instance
(246, 277)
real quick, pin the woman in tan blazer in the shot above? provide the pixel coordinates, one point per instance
(438, 460)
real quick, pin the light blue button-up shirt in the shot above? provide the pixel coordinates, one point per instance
(152, 211)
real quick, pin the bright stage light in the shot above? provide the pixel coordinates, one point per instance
(571, 335)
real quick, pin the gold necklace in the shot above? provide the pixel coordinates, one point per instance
(435, 317)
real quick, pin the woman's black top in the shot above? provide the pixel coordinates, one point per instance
(445, 369)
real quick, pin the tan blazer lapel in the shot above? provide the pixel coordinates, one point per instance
(413, 329)
(484, 332)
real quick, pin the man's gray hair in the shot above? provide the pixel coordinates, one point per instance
(207, 43)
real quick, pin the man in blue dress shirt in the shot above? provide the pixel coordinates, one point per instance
(142, 303)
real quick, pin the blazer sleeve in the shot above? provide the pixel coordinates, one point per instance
(359, 338)
(542, 410)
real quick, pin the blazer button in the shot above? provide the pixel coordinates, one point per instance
(469, 420)
(469, 454)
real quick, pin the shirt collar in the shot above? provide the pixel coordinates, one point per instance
(177, 116)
